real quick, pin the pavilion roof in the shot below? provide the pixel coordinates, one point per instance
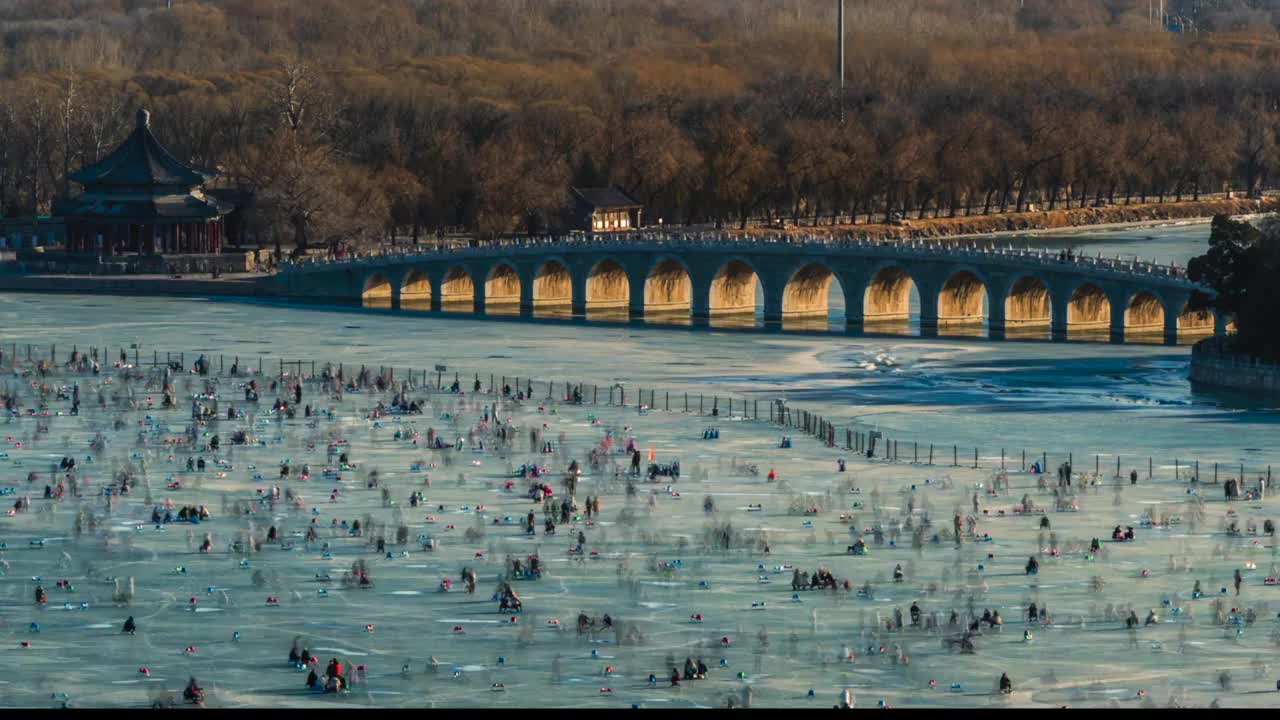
(605, 198)
(140, 162)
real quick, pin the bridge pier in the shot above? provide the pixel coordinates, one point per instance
(395, 296)
(1170, 327)
(436, 279)
(700, 296)
(854, 286)
(1116, 334)
(996, 327)
(527, 281)
(928, 309)
(636, 279)
(1219, 324)
(773, 293)
(578, 299)
(1058, 320)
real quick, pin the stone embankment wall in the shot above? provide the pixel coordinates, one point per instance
(1212, 363)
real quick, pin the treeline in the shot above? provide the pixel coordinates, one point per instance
(1241, 266)
(357, 119)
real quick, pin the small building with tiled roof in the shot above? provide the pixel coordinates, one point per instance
(605, 210)
(140, 199)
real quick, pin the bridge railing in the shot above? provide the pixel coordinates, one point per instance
(916, 249)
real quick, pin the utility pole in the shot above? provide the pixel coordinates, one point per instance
(840, 56)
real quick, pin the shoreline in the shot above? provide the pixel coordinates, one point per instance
(1109, 218)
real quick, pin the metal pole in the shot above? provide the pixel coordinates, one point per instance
(930, 453)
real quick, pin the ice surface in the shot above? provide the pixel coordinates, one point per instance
(1081, 658)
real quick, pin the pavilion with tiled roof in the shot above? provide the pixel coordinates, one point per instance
(140, 199)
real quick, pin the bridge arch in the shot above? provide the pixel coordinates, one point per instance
(457, 291)
(963, 302)
(502, 290)
(376, 291)
(1088, 310)
(608, 291)
(668, 291)
(887, 299)
(806, 298)
(415, 291)
(1144, 316)
(1194, 323)
(552, 286)
(1028, 307)
(736, 294)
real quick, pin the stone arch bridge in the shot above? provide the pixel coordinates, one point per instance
(789, 282)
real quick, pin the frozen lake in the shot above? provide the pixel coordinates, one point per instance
(651, 561)
(1055, 398)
